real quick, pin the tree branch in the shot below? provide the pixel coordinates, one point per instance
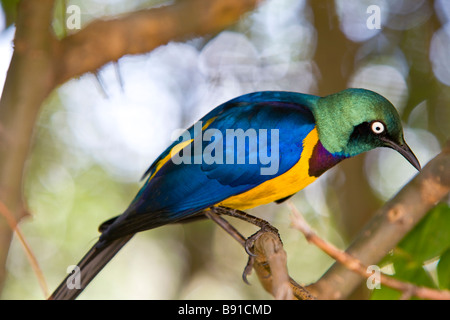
(269, 262)
(391, 223)
(104, 41)
(357, 267)
(29, 80)
(270, 265)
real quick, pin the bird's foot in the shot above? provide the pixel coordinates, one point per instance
(249, 248)
(250, 241)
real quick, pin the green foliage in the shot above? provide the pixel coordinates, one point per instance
(443, 270)
(414, 259)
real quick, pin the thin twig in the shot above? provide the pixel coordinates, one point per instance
(4, 211)
(356, 266)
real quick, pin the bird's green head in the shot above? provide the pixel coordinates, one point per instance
(353, 121)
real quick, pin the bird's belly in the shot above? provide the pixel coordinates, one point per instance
(281, 186)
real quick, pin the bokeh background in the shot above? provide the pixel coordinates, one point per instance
(99, 133)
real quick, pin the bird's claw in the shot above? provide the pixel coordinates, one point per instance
(248, 268)
(250, 242)
(249, 246)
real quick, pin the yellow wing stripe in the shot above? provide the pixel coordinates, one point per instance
(281, 186)
(207, 123)
(177, 148)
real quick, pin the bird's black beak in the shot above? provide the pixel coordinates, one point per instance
(404, 150)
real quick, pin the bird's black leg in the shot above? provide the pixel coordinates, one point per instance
(214, 214)
(224, 224)
(261, 223)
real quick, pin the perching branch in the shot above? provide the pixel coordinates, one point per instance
(269, 262)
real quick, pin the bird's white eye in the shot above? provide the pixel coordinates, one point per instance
(377, 127)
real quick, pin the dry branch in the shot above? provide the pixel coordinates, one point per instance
(103, 41)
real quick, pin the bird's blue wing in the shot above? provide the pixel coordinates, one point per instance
(179, 187)
(296, 102)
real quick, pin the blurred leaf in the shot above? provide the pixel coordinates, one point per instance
(430, 238)
(414, 272)
(385, 293)
(10, 10)
(409, 273)
(408, 270)
(443, 270)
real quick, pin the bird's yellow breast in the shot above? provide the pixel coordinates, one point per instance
(281, 186)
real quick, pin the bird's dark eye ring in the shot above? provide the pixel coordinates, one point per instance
(377, 127)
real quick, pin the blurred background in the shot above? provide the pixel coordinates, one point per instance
(99, 133)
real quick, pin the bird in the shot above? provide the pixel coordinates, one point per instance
(280, 142)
